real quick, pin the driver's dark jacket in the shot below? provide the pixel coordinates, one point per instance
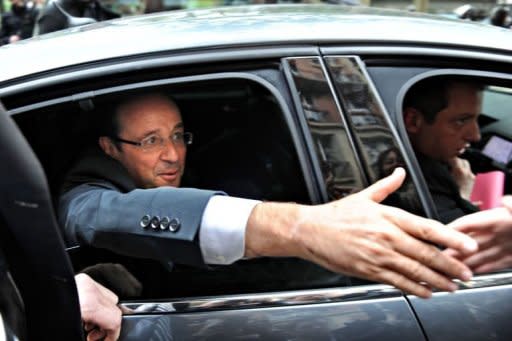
(101, 207)
(444, 190)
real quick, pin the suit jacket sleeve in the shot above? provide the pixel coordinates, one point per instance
(99, 215)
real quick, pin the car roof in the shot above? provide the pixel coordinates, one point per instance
(241, 26)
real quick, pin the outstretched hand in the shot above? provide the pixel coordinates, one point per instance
(98, 306)
(358, 236)
(492, 229)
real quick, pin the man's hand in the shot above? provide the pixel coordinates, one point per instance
(465, 179)
(360, 237)
(98, 306)
(492, 229)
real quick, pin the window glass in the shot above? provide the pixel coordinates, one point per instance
(242, 145)
(339, 165)
(379, 150)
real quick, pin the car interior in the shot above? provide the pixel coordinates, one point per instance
(242, 146)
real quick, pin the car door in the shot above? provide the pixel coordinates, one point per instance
(345, 308)
(248, 115)
(478, 310)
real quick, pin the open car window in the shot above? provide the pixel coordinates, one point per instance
(484, 141)
(245, 144)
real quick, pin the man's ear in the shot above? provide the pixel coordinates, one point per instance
(413, 119)
(108, 147)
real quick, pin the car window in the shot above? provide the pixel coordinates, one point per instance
(244, 145)
(372, 133)
(483, 140)
(340, 167)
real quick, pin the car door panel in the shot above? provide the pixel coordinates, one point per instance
(366, 312)
(480, 310)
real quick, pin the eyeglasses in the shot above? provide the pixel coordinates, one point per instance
(157, 142)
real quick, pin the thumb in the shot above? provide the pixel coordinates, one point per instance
(384, 187)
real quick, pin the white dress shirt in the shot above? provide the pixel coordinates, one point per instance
(222, 230)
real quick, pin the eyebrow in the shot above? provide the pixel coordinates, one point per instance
(180, 125)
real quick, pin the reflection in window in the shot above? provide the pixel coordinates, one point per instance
(379, 149)
(338, 163)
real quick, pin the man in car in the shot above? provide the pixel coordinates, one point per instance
(441, 119)
(126, 198)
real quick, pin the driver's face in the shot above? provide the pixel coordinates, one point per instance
(454, 128)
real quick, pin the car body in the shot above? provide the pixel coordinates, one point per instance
(292, 103)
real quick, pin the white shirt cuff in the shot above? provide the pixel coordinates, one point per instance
(222, 230)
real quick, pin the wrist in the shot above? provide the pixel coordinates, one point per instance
(272, 230)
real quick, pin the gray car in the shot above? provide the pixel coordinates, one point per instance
(288, 103)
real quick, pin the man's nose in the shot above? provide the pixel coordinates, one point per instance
(473, 132)
(169, 152)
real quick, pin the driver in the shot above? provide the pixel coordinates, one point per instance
(441, 119)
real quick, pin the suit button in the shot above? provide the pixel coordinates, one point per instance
(174, 225)
(164, 223)
(155, 222)
(144, 222)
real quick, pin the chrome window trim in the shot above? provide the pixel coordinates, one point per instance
(119, 65)
(321, 192)
(296, 298)
(442, 51)
(265, 300)
(347, 123)
(486, 281)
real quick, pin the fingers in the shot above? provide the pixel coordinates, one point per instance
(489, 255)
(433, 263)
(384, 187)
(405, 284)
(499, 264)
(431, 231)
(96, 334)
(417, 272)
(113, 335)
(507, 202)
(89, 326)
(480, 220)
(99, 334)
(108, 295)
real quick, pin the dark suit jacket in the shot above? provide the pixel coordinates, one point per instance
(444, 190)
(101, 207)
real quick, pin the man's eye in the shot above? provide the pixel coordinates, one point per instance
(462, 121)
(151, 140)
(177, 136)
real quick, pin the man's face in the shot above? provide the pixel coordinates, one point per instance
(453, 129)
(145, 119)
